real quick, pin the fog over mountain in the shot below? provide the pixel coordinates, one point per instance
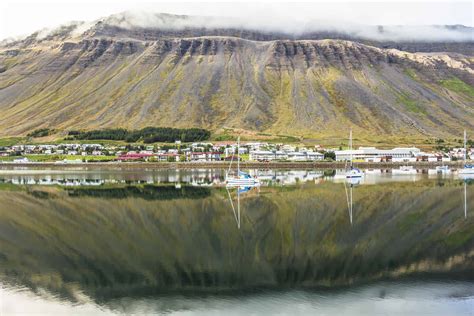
(291, 27)
(145, 69)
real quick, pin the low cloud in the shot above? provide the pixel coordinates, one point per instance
(292, 27)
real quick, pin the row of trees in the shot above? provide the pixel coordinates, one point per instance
(147, 134)
(42, 132)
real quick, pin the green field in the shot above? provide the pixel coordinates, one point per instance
(50, 158)
(10, 141)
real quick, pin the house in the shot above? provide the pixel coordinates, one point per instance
(231, 150)
(203, 156)
(304, 156)
(296, 156)
(281, 155)
(314, 156)
(167, 157)
(262, 155)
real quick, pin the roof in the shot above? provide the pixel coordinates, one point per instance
(373, 150)
(135, 156)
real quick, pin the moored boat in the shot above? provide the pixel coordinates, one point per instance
(468, 168)
(241, 178)
(353, 172)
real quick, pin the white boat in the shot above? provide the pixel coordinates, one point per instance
(21, 160)
(241, 179)
(442, 169)
(468, 169)
(353, 172)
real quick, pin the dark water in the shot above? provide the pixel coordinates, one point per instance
(178, 242)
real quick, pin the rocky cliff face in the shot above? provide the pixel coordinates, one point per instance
(109, 76)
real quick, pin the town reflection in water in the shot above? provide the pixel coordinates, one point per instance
(164, 241)
(202, 177)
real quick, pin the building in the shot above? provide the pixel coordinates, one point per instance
(305, 156)
(267, 155)
(372, 154)
(262, 155)
(203, 156)
(167, 157)
(314, 156)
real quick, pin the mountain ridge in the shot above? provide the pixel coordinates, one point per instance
(299, 87)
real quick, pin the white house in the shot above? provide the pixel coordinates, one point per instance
(304, 156)
(368, 153)
(313, 156)
(262, 155)
(203, 156)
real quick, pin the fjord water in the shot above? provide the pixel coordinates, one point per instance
(111, 242)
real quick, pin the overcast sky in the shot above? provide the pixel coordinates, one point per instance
(20, 17)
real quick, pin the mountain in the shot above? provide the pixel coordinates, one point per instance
(175, 71)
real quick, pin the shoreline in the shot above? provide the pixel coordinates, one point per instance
(225, 165)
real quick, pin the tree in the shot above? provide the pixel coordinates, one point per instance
(330, 155)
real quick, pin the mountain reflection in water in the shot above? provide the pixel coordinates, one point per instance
(123, 247)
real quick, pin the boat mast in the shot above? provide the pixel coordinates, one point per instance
(465, 199)
(350, 145)
(465, 147)
(238, 156)
(351, 205)
(238, 207)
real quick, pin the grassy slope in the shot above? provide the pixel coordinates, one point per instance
(245, 89)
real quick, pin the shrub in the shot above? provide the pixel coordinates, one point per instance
(42, 132)
(147, 134)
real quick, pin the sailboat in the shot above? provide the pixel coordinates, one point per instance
(353, 172)
(241, 179)
(468, 169)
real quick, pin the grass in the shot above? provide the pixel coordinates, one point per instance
(49, 158)
(410, 104)
(457, 85)
(10, 141)
(459, 238)
(408, 221)
(411, 73)
(87, 141)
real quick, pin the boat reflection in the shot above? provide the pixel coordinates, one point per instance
(239, 190)
(349, 184)
(467, 178)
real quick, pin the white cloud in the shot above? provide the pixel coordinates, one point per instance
(26, 16)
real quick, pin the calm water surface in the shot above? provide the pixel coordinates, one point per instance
(80, 241)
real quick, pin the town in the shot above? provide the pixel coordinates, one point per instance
(216, 151)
